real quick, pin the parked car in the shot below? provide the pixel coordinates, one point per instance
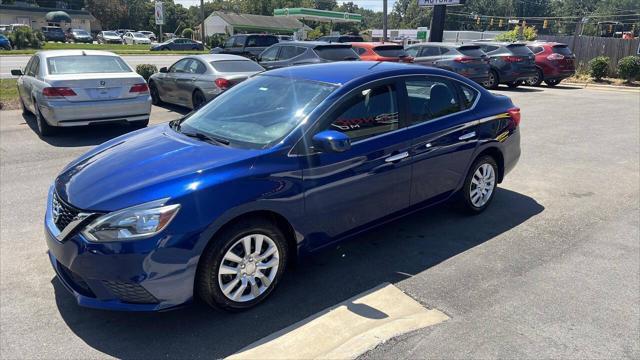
(511, 63)
(53, 33)
(376, 51)
(121, 32)
(133, 38)
(64, 88)
(217, 204)
(467, 60)
(109, 37)
(5, 43)
(285, 38)
(555, 62)
(247, 45)
(78, 35)
(194, 80)
(178, 44)
(304, 52)
(341, 38)
(149, 34)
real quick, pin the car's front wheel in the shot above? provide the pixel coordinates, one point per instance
(514, 84)
(480, 185)
(492, 81)
(242, 265)
(552, 83)
(535, 80)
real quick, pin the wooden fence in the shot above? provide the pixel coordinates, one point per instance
(587, 47)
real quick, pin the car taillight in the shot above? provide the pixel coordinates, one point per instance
(555, 56)
(223, 83)
(139, 88)
(463, 59)
(58, 92)
(515, 115)
(512, 58)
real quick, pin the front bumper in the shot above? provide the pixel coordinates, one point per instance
(140, 275)
(67, 113)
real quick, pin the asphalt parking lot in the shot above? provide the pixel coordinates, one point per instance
(550, 270)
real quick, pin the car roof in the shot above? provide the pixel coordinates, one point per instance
(312, 44)
(52, 53)
(342, 72)
(219, 57)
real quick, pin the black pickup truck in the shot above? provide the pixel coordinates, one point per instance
(247, 45)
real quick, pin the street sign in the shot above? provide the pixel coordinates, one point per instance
(159, 13)
(429, 3)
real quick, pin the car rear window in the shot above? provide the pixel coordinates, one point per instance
(562, 49)
(86, 64)
(334, 53)
(236, 66)
(473, 51)
(521, 50)
(390, 51)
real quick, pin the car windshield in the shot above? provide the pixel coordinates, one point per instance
(258, 112)
(54, 30)
(109, 33)
(139, 35)
(86, 64)
(80, 32)
(236, 66)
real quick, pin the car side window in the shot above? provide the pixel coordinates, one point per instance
(196, 67)
(430, 98)
(181, 66)
(32, 66)
(289, 52)
(368, 112)
(270, 54)
(28, 66)
(413, 52)
(430, 51)
(444, 50)
(469, 96)
(360, 51)
(239, 41)
(229, 43)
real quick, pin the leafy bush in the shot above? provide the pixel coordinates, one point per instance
(25, 38)
(215, 40)
(629, 68)
(187, 33)
(529, 34)
(146, 70)
(599, 67)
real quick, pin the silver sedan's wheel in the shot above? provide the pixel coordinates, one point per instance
(482, 185)
(248, 268)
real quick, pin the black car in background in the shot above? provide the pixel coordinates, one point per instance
(511, 63)
(78, 36)
(178, 44)
(341, 38)
(247, 45)
(292, 53)
(467, 60)
(53, 33)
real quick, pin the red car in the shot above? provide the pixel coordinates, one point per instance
(376, 51)
(555, 62)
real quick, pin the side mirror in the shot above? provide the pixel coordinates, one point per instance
(164, 69)
(16, 72)
(331, 141)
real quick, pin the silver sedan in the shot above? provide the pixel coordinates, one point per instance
(194, 80)
(80, 87)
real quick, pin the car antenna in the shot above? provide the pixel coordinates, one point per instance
(84, 53)
(374, 65)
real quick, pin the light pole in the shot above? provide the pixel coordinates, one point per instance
(202, 23)
(384, 20)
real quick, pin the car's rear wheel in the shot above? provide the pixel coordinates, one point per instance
(514, 84)
(536, 80)
(44, 129)
(198, 99)
(155, 95)
(552, 83)
(480, 184)
(242, 265)
(492, 81)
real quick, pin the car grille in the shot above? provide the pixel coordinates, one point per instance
(63, 213)
(130, 293)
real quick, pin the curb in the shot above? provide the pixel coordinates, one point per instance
(603, 86)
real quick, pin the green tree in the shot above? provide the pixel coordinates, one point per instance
(110, 13)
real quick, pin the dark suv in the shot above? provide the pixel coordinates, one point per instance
(53, 33)
(467, 60)
(511, 63)
(305, 52)
(247, 45)
(555, 62)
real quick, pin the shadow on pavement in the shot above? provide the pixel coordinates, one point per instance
(391, 253)
(522, 89)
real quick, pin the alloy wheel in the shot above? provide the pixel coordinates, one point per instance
(482, 185)
(248, 268)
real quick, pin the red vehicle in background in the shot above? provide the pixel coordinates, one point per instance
(554, 61)
(376, 51)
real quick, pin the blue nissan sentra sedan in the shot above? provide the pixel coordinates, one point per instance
(219, 202)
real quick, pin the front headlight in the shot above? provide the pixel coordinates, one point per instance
(132, 223)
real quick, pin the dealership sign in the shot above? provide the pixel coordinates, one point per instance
(159, 13)
(440, 2)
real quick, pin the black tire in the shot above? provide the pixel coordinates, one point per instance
(552, 83)
(139, 124)
(44, 129)
(155, 95)
(514, 84)
(536, 80)
(493, 80)
(198, 99)
(465, 194)
(207, 277)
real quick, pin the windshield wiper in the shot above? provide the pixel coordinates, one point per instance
(207, 138)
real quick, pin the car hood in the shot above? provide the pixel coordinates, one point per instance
(146, 165)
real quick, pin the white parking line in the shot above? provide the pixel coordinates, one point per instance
(348, 329)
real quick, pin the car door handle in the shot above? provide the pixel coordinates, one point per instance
(397, 157)
(467, 136)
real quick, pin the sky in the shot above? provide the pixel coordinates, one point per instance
(375, 5)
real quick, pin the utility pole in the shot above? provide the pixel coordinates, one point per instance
(202, 23)
(437, 23)
(384, 20)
